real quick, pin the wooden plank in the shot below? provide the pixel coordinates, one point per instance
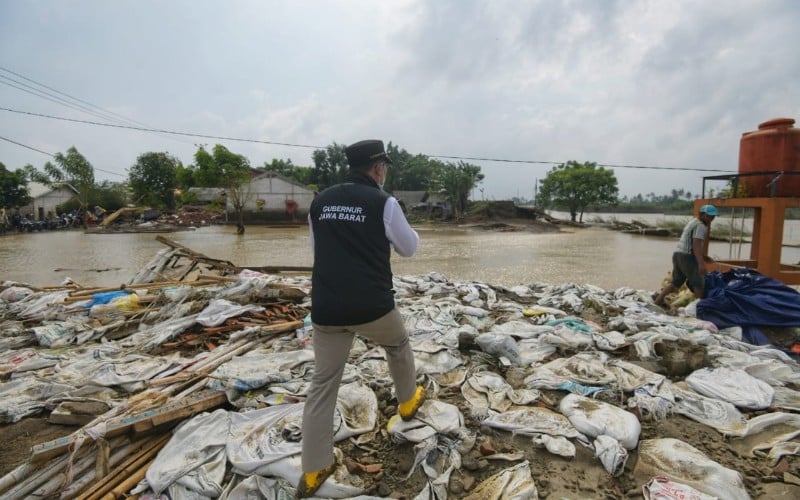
(138, 423)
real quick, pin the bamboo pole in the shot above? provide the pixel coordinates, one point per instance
(230, 279)
(72, 490)
(16, 475)
(128, 467)
(61, 479)
(129, 483)
(161, 284)
(36, 478)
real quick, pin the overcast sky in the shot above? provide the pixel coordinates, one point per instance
(670, 84)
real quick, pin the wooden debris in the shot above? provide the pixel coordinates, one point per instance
(138, 423)
(108, 467)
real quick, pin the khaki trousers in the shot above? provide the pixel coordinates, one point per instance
(331, 350)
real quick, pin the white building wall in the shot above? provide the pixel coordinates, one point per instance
(47, 202)
(275, 191)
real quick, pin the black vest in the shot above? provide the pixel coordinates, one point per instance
(352, 277)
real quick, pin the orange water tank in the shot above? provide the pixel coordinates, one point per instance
(775, 146)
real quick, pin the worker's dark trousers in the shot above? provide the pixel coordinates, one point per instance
(331, 350)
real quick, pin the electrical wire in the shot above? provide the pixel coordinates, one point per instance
(294, 145)
(52, 155)
(100, 113)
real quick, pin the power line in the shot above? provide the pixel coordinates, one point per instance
(560, 162)
(143, 129)
(51, 154)
(26, 146)
(66, 95)
(274, 143)
(101, 113)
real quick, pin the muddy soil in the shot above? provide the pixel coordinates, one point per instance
(18, 439)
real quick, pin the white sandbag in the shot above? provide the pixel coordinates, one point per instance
(595, 418)
(341, 484)
(488, 390)
(129, 372)
(557, 445)
(685, 464)
(218, 310)
(192, 455)
(150, 337)
(611, 454)
(437, 362)
(260, 437)
(27, 396)
(609, 341)
(534, 351)
(257, 369)
(15, 294)
(513, 483)
(523, 329)
(786, 399)
(717, 414)
(499, 345)
(587, 368)
(765, 432)
(23, 360)
(61, 333)
(630, 376)
(434, 417)
(735, 386)
(258, 487)
(662, 488)
(533, 420)
(780, 450)
(42, 306)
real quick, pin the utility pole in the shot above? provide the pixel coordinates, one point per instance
(535, 190)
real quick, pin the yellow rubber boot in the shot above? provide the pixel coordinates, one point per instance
(311, 481)
(408, 409)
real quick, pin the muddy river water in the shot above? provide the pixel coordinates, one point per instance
(593, 255)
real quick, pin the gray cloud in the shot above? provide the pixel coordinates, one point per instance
(670, 84)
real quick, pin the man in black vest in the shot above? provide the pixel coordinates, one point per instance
(354, 226)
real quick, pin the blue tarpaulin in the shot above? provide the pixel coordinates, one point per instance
(744, 297)
(106, 297)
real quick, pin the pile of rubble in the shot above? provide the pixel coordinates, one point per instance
(193, 216)
(189, 382)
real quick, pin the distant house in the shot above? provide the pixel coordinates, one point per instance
(272, 196)
(46, 199)
(424, 203)
(408, 199)
(201, 196)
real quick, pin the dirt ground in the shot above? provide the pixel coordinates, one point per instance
(17, 440)
(556, 477)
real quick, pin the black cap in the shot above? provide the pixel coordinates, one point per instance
(362, 153)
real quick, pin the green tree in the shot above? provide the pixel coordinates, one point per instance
(14, 188)
(110, 195)
(287, 169)
(206, 172)
(184, 177)
(330, 166)
(575, 186)
(153, 179)
(456, 181)
(410, 172)
(235, 172)
(75, 169)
